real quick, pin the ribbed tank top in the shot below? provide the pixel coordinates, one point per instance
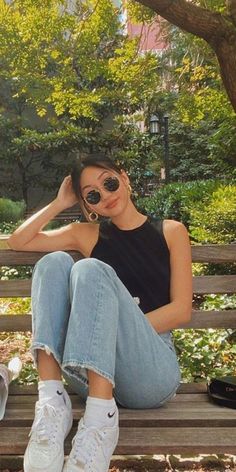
(140, 258)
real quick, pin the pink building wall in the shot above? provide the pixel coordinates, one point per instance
(151, 38)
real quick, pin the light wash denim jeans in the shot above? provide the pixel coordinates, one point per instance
(84, 315)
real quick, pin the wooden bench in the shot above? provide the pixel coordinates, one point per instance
(189, 423)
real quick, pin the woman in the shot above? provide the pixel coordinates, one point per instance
(104, 321)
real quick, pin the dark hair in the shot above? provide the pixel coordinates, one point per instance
(97, 160)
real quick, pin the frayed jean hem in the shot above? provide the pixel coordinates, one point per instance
(78, 370)
(43, 347)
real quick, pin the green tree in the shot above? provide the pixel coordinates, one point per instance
(212, 20)
(202, 125)
(62, 67)
(79, 62)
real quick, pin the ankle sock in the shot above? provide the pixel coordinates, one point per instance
(51, 391)
(100, 412)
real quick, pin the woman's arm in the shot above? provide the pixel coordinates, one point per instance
(178, 311)
(30, 237)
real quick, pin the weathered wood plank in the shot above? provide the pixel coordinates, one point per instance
(160, 418)
(200, 319)
(15, 323)
(214, 284)
(201, 285)
(212, 319)
(194, 387)
(218, 253)
(143, 440)
(179, 398)
(15, 258)
(15, 288)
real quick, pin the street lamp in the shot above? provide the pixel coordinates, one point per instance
(156, 124)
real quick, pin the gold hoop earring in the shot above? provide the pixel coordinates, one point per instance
(129, 189)
(93, 216)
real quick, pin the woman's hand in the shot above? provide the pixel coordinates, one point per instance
(66, 197)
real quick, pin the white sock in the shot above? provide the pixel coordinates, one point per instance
(51, 391)
(100, 412)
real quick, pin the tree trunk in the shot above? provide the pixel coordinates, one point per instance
(217, 29)
(226, 53)
(24, 181)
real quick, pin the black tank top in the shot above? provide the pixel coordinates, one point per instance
(140, 258)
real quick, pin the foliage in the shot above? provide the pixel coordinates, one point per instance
(202, 124)
(193, 71)
(174, 200)
(71, 59)
(8, 228)
(15, 306)
(28, 155)
(63, 72)
(139, 13)
(12, 273)
(216, 25)
(205, 353)
(206, 208)
(137, 152)
(11, 211)
(28, 375)
(223, 143)
(208, 353)
(195, 151)
(213, 222)
(219, 302)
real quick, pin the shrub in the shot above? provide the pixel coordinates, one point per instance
(205, 353)
(206, 208)
(11, 211)
(8, 228)
(174, 200)
(214, 222)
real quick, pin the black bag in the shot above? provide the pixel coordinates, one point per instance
(222, 390)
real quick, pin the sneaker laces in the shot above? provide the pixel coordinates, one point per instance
(85, 444)
(45, 427)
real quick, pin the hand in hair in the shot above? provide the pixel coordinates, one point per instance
(66, 196)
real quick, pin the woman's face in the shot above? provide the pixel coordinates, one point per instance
(107, 186)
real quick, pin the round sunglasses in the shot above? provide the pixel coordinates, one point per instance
(110, 184)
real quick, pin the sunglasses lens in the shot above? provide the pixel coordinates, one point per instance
(111, 184)
(93, 197)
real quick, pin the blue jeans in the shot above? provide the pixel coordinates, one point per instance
(84, 315)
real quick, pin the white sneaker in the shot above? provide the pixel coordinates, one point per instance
(52, 423)
(92, 449)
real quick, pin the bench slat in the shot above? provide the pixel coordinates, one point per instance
(200, 319)
(201, 285)
(194, 387)
(14, 258)
(214, 284)
(217, 253)
(179, 398)
(209, 416)
(143, 440)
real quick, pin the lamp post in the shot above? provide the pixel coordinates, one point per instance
(157, 123)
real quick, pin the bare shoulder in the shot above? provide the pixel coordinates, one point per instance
(175, 231)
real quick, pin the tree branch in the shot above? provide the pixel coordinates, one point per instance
(231, 6)
(216, 29)
(196, 20)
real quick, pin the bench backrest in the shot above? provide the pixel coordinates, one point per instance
(215, 284)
